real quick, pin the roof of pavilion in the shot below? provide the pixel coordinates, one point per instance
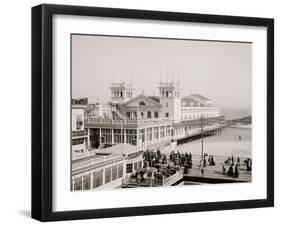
(122, 149)
(152, 100)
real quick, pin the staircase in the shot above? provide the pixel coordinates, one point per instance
(117, 109)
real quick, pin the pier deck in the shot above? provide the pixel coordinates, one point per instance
(212, 174)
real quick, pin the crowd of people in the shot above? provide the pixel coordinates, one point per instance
(203, 162)
(230, 166)
(182, 160)
(151, 158)
(233, 167)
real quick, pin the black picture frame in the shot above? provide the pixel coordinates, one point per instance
(42, 107)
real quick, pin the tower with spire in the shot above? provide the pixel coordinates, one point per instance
(121, 92)
(170, 98)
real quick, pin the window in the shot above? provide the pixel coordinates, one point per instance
(167, 131)
(78, 184)
(86, 182)
(98, 179)
(140, 164)
(136, 166)
(162, 131)
(131, 136)
(118, 136)
(129, 168)
(79, 122)
(114, 172)
(155, 133)
(155, 114)
(167, 104)
(141, 135)
(128, 114)
(167, 114)
(106, 134)
(148, 114)
(134, 114)
(107, 175)
(149, 134)
(120, 170)
(141, 103)
(141, 114)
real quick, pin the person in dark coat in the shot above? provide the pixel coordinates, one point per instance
(238, 161)
(230, 171)
(223, 169)
(236, 172)
(204, 162)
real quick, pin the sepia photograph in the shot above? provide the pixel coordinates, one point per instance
(156, 112)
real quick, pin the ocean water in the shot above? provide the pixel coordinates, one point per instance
(230, 113)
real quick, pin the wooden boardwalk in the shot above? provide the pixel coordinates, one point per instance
(216, 172)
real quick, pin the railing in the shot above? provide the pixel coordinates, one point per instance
(79, 133)
(94, 120)
(111, 121)
(196, 131)
(172, 179)
(212, 174)
(83, 155)
(149, 182)
(118, 111)
(96, 162)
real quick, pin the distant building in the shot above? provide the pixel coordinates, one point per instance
(197, 106)
(80, 101)
(98, 110)
(79, 134)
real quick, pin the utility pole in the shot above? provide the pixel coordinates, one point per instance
(202, 141)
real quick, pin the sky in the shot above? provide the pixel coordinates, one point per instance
(221, 71)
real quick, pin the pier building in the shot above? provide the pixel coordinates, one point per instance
(149, 121)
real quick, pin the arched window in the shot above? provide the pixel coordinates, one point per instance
(148, 114)
(155, 114)
(141, 103)
(167, 94)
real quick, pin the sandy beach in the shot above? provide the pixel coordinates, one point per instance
(226, 144)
